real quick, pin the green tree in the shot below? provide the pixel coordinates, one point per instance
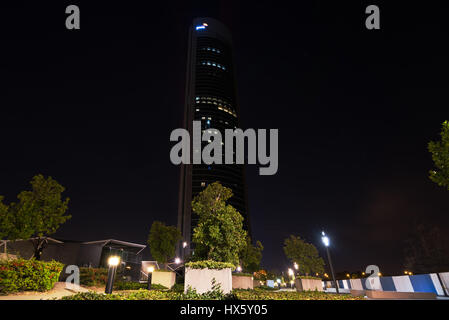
(219, 235)
(5, 223)
(37, 214)
(250, 256)
(426, 249)
(162, 241)
(440, 157)
(304, 254)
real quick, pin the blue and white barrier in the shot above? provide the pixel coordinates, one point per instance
(414, 283)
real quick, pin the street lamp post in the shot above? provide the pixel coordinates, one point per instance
(326, 243)
(113, 262)
(150, 274)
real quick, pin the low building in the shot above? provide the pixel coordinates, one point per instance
(92, 254)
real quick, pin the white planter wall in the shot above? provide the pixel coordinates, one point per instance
(201, 279)
(165, 278)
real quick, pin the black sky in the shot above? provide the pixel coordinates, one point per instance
(94, 109)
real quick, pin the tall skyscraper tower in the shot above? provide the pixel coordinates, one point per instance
(212, 99)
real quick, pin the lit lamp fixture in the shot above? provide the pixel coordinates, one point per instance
(113, 262)
(291, 273)
(184, 246)
(326, 243)
(239, 269)
(410, 273)
(177, 260)
(295, 265)
(150, 270)
(379, 274)
(347, 275)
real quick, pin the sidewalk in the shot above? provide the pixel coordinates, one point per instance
(57, 292)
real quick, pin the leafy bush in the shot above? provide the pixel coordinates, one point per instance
(266, 288)
(309, 277)
(242, 294)
(209, 264)
(157, 286)
(95, 277)
(242, 274)
(131, 285)
(212, 295)
(22, 275)
(178, 287)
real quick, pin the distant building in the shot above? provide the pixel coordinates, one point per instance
(212, 99)
(92, 254)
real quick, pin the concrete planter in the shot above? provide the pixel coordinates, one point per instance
(257, 283)
(242, 282)
(308, 284)
(165, 278)
(201, 279)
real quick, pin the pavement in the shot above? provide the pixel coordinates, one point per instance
(59, 290)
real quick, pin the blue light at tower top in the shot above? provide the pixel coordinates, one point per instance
(201, 27)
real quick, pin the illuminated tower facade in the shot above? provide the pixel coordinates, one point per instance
(212, 99)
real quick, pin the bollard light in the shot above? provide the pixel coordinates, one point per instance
(150, 271)
(113, 262)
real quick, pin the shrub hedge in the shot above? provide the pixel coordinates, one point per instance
(22, 275)
(209, 264)
(93, 277)
(242, 274)
(191, 295)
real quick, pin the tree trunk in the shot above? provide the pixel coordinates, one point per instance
(38, 247)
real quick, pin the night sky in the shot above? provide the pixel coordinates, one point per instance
(355, 109)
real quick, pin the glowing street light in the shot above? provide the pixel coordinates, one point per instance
(295, 265)
(177, 260)
(239, 269)
(150, 271)
(184, 246)
(290, 272)
(113, 262)
(326, 243)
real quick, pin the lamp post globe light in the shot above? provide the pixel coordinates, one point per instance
(113, 262)
(326, 243)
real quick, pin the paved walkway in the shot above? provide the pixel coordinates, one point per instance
(57, 292)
